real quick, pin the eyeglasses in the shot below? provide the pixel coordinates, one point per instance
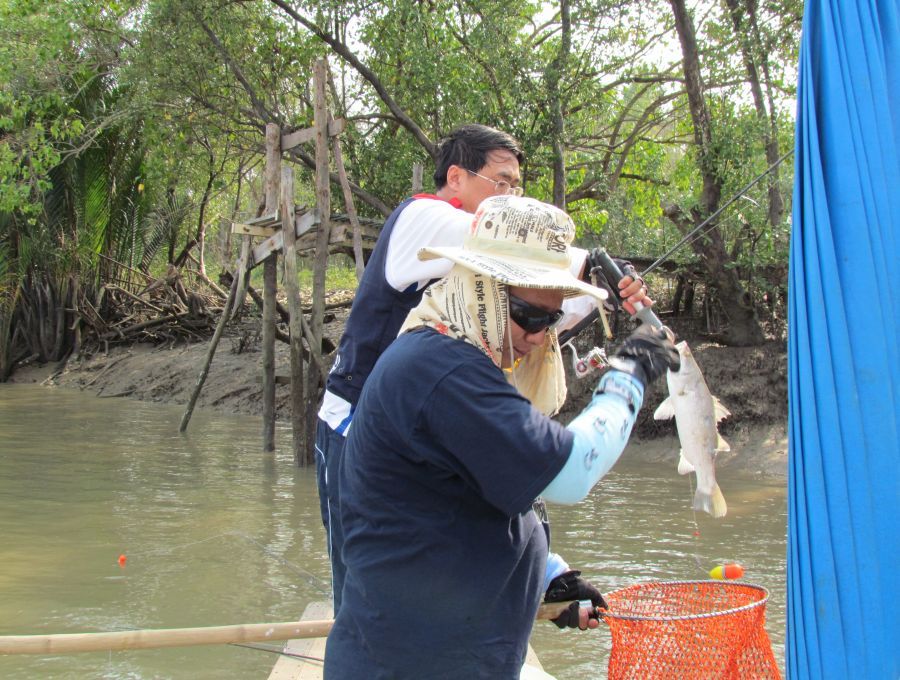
(502, 186)
(532, 319)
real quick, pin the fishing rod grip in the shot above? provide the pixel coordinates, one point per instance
(614, 274)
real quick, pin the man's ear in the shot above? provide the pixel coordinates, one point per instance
(454, 177)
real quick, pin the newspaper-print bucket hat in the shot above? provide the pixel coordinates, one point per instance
(521, 242)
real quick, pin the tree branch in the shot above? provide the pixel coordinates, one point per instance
(258, 105)
(343, 51)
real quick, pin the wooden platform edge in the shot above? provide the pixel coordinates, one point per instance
(291, 668)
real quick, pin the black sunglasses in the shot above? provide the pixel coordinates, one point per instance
(532, 319)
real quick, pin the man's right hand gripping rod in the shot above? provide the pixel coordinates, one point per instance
(613, 273)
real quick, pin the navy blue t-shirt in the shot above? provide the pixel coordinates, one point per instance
(445, 560)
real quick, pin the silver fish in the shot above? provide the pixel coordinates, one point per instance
(696, 413)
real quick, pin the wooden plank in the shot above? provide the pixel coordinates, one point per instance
(279, 379)
(290, 668)
(531, 659)
(292, 139)
(269, 219)
(252, 230)
(273, 244)
(339, 234)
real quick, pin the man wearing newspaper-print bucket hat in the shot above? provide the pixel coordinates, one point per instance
(452, 443)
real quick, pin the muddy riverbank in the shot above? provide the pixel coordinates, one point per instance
(750, 381)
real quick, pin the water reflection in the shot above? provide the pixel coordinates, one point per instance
(217, 532)
(637, 526)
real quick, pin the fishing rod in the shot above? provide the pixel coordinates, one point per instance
(611, 270)
(718, 212)
(596, 357)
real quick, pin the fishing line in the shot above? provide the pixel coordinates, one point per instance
(696, 525)
(317, 582)
(276, 650)
(718, 212)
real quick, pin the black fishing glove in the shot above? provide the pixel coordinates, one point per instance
(570, 586)
(647, 353)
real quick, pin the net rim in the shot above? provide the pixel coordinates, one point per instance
(688, 617)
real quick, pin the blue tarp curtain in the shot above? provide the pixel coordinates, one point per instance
(844, 347)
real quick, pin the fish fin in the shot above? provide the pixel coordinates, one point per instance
(713, 503)
(720, 411)
(665, 410)
(684, 466)
(721, 445)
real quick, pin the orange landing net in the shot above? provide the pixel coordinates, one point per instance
(689, 629)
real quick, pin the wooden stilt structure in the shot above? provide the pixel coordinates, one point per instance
(281, 227)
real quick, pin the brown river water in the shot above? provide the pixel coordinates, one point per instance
(216, 532)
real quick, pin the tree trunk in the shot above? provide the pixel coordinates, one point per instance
(555, 71)
(743, 325)
(201, 220)
(751, 51)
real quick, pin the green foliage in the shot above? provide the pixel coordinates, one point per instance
(119, 120)
(338, 276)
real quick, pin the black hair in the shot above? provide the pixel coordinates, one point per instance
(468, 147)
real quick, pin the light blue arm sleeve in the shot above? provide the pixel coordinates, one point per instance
(601, 431)
(556, 565)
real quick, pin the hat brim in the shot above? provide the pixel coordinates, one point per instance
(516, 272)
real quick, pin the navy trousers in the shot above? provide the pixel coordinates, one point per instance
(329, 449)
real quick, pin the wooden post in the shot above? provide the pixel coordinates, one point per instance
(270, 287)
(292, 288)
(242, 275)
(348, 199)
(418, 171)
(351, 209)
(323, 203)
(209, 355)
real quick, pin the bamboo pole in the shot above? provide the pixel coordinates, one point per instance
(155, 638)
(163, 637)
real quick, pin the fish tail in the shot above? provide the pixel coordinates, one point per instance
(713, 502)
